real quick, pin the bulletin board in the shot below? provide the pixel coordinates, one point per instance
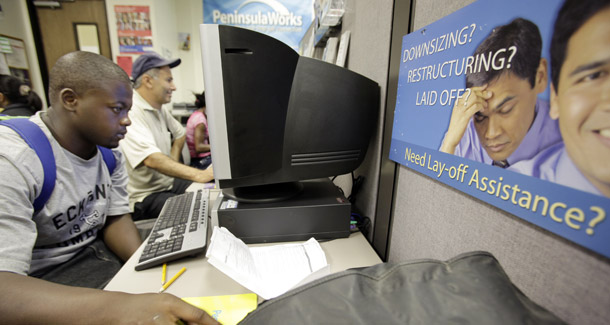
(13, 58)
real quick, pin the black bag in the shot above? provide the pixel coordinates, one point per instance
(471, 288)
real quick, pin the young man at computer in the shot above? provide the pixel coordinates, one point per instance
(153, 144)
(52, 258)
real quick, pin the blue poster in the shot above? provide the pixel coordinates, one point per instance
(484, 107)
(286, 20)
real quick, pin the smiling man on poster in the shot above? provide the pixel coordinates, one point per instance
(580, 100)
(501, 120)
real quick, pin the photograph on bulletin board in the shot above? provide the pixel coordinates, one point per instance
(502, 103)
(133, 29)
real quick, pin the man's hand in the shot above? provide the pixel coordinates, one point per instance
(463, 110)
(28, 300)
(160, 309)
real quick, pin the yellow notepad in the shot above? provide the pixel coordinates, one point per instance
(228, 309)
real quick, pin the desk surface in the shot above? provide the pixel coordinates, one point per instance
(202, 279)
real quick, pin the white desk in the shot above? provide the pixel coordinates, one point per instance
(202, 279)
(181, 115)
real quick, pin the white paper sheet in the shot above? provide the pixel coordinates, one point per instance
(268, 271)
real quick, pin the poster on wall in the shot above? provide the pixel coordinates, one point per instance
(13, 58)
(133, 29)
(482, 107)
(286, 20)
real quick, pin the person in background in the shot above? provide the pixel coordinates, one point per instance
(54, 261)
(197, 135)
(503, 121)
(17, 98)
(580, 100)
(154, 142)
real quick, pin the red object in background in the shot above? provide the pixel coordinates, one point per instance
(125, 62)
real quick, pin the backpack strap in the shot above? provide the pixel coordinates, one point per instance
(33, 135)
(108, 158)
(37, 140)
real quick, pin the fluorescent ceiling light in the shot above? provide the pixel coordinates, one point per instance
(48, 4)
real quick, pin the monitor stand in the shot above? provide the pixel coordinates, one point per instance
(320, 211)
(264, 193)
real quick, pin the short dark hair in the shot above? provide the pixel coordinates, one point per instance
(200, 100)
(521, 33)
(17, 91)
(34, 101)
(572, 15)
(11, 88)
(82, 71)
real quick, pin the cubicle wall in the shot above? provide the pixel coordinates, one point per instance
(432, 220)
(369, 23)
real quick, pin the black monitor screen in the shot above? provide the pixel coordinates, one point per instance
(276, 118)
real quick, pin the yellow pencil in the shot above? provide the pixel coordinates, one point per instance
(164, 274)
(166, 285)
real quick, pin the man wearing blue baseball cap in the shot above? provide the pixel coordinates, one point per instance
(155, 139)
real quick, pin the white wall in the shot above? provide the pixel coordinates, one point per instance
(15, 22)
(168, 18)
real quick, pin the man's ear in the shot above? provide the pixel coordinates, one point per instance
(554, 109)
(69, 99)
(147, 81)
(542, 76)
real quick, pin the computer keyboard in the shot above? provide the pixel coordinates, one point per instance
(180, 230)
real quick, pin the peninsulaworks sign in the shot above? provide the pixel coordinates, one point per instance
(286, 20)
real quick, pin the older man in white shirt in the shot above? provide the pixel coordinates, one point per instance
(154, 141)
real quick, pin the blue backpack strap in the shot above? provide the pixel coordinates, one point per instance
(108, 158)
(37, 140)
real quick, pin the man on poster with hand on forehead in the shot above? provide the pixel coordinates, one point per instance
(503, 121)
(580, 100)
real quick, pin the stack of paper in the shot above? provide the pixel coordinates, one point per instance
(268, 271)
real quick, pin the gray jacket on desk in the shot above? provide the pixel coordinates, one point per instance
(471, 288)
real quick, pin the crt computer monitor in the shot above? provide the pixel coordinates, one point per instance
(276, 118)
